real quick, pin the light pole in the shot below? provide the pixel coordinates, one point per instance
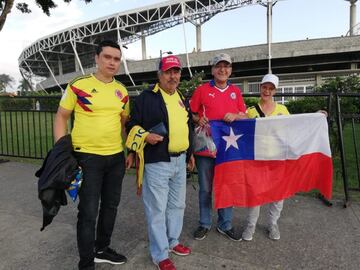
(161, 53)
(352, 16)
(269, 6)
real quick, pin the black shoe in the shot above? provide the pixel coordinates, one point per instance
(201, 233)
(109, 255)
(230, 234)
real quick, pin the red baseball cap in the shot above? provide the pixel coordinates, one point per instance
(170, 61)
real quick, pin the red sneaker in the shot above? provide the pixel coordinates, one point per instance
(166, 264)
(181, 250)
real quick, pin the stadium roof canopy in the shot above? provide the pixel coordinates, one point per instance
(72, 49)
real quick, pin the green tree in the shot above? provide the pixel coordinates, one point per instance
(187, 87)
(349, 105)
(343, 85)
(348, 84)
(5, 81)
(251, 101)
(307, 105)
(7, 5)
(24, 86)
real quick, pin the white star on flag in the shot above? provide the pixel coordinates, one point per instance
(231, 139)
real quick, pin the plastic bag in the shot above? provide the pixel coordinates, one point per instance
(75, 185)
(203, 142)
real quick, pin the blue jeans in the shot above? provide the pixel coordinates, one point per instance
(102, 182)
(163, 192)
(205, 167)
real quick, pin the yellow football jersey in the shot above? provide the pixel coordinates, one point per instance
(279, 110)
(178, 118)
(98, 108)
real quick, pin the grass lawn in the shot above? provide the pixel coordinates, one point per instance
(26, 134)
(351, 166)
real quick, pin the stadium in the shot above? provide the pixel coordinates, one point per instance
(301, 64)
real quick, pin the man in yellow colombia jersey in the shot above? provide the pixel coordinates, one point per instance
(166, 153)
(101, 107)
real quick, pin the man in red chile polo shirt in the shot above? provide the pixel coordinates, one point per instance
(215, 100)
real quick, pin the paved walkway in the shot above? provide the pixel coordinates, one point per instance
(313, 236)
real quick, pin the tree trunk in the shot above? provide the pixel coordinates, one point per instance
(6, 10)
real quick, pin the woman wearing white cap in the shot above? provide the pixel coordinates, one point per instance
(266, 107)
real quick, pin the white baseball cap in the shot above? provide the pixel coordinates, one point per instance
(271, 78)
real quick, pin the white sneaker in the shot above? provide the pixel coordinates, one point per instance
(274, 233)
(248, 233)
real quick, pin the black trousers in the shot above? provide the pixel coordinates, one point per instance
(102, 182)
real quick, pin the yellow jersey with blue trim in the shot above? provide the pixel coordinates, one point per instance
(98, 108)
(279, 110)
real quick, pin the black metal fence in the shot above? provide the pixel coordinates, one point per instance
(26, 129)
(352, 119)
(26, 125)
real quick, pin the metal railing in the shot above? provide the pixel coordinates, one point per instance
(26, 128)
(341, 118)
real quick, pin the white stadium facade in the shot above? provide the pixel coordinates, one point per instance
(301, 65)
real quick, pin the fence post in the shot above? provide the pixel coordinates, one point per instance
(356, 152)
(342, 151)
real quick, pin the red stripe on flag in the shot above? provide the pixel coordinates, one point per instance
(248, 183)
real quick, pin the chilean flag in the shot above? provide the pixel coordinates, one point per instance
(268, 159)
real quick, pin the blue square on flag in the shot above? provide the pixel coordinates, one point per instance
(234, 141)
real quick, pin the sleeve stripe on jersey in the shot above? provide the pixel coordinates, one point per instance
(82, 98)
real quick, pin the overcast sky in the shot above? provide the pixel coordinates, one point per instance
(292, 20)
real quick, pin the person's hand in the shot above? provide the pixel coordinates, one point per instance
(191, 163)
(324, 112)
(130, 160)
(241, 115)
(203, 121)
(153, 138)
(230, 117)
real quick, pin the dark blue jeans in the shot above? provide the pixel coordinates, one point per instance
(102, 181)
(205, 167)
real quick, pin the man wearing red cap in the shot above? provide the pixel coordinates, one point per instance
(164, 117)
